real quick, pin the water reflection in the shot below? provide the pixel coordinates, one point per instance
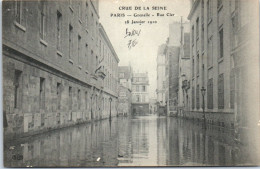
(140, 141)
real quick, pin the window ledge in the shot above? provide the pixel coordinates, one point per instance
(71, 9)
(21, 27)
(59, 53)
(209, 21)
(43, 42)
(220, 7)
(80, 67)
(71, 61)
(220, 59)
(80, 21)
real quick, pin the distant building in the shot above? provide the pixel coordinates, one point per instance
(171, 73)
(124, 101)
(172, 52)
(153, 105)
(140, 94)
(125, 90)
(125, 74)
(184, 75)
(161, 85)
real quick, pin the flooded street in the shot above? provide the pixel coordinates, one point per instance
(136, 141)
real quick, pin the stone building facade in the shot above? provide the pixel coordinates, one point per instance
(140, 94)
(125, 75)
(184, 75)
(124, 101)
(160, 91)
(216, 26)
(51, 60)
(109, 65)
(171, 74)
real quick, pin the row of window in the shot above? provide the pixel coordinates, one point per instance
(139, 88)
(210, 94)
(59, 41)
(18, 87)
(140, 79)
(140, 98)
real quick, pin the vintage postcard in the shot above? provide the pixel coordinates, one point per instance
(119, 83)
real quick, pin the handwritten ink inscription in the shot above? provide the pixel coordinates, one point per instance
(132, 34)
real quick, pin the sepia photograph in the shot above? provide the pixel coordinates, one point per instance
(130, 83)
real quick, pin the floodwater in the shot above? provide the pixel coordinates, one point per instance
(136, 141)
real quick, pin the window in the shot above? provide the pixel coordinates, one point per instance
(18, 11)
(219, 3)
(198, 97)
(232, 89)
(137, 98)
(221, 91)
(96, 62)
(202, 11)
(198, 62)
(192, 34)
(17, 89)
(79, 101)
(202, 37)
(209, 10)
(137, 88)
(193, 98)
(79, 49)
(42, 19)
(70, 98)
(59, 26)
(58, 96)
(79, 10)
(42, 93)
(221, 51)
(197, 28)
(144, 89)
(210, 52)
(210, 94)
(70, 40)
(203, 73)
(193, 69)
(86, 100)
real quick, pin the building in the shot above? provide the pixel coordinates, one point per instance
(153, 105)
(109, 65)
(140, 94)
(124, 101)
(161, 84)
(184, 76)
(222, 36)
(52, 75)
(171, 76)
(125, 76)
(125, 90)
(172, 52)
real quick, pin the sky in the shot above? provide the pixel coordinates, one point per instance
(142, 56)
